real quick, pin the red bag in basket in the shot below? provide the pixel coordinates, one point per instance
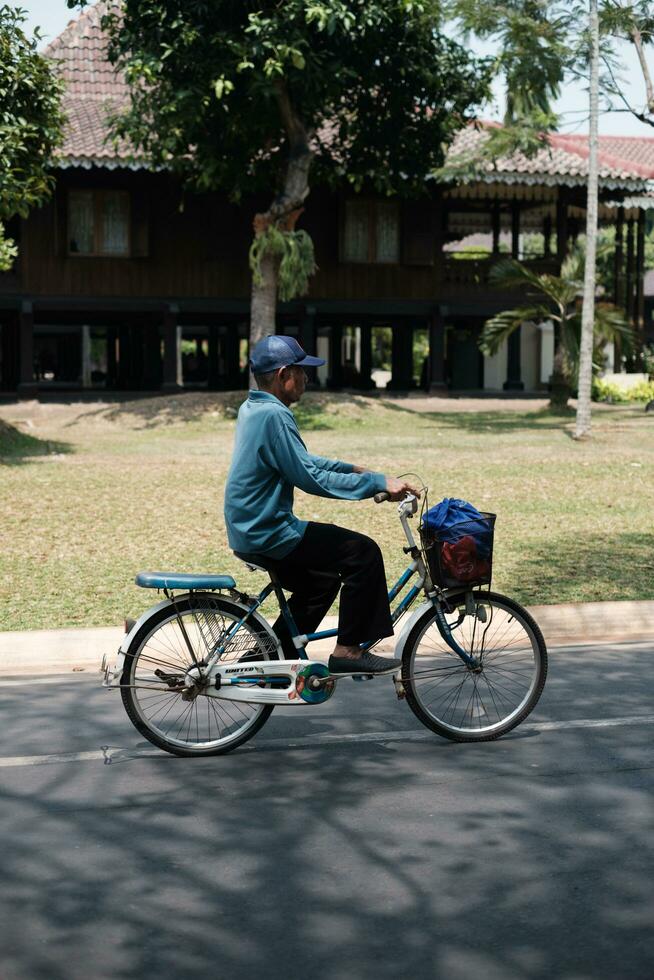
(460, 560)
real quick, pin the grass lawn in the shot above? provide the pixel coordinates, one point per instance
(90, 493)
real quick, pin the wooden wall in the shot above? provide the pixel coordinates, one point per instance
(189, 246)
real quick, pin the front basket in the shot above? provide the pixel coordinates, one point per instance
(460, 555)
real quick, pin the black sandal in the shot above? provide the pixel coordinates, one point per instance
(367, 663)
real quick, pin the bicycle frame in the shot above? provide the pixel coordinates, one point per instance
(406, 509)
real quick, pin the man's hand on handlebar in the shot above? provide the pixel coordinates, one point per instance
(397, 489)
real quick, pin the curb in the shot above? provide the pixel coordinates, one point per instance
(81, 650)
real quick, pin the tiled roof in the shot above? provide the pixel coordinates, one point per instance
(623, 162)
(80, 51)
(94, 89)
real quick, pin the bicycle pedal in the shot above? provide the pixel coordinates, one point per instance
(362, 677)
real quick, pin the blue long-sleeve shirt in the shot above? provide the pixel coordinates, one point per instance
(269, 460)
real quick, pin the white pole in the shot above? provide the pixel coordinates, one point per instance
(583, 421)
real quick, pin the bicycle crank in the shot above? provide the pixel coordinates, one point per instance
(313, 684)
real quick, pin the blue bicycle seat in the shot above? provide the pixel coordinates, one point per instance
(183, 580)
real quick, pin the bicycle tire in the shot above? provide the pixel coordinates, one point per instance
(205, 616)
(476, 706)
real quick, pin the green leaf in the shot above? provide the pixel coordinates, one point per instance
(499, 328)
(223, 86)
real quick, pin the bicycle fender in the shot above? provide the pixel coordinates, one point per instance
(410, 623)
(153, 610)
(117, 669)
(449, 639)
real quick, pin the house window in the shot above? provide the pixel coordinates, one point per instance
(371, 231)
(98, 223)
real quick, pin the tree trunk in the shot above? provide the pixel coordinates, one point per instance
(559, 382)
(582, 426)
(283, 212)
(263, 301)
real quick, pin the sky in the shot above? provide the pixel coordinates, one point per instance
(52, 17)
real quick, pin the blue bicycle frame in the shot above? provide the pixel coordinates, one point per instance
(301, 640)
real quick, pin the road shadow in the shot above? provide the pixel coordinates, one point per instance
(425, 860)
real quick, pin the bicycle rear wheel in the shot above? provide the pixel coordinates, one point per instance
(155, 665)
(475, 704)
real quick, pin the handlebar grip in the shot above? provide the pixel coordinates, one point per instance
(379, 498)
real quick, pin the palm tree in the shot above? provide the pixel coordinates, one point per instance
(582, 426)
(557, 299)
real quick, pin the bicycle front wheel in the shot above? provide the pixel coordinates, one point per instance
(156, 663)
(475, 704)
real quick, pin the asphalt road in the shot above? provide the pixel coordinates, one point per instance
(313, 853)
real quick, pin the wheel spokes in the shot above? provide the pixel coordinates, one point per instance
(466, 699)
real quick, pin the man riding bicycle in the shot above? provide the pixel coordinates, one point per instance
(311, 559)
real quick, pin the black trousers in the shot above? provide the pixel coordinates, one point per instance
(327, 557)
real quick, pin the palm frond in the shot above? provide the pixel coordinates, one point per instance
(559, 290)
(611, 324)
(509, 272)
(500, 327)
(572, 267)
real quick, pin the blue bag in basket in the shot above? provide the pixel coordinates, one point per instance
(454, 519)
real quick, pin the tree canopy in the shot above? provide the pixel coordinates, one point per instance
(249, 96)
(540, 45)
(218, 88)
(30, 123)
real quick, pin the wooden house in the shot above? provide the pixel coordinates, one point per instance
(125, 282)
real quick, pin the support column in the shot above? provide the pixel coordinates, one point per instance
(335, 379)
(365, 379)
(112, 363)
(172, 350)
(629, 278)
(437, 383)
(124, 372)
(152, 374)
(307, 336)
(27, 386)
(86, 356)
(618, 284)
(515, 230)
(213, 380)
(618, 258)
(233, 370)
(513, 368)
(561, 226)
(402, 358)
(495, 219)
(547, 236)
(307, 340)
(9, 354)
(639, 304)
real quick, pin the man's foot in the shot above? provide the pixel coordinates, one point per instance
(366, 663)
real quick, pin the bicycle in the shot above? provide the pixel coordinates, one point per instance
(200, 673)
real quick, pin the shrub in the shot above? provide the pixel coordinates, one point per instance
(603, 391)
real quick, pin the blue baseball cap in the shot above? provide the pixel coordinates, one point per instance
(279, 351)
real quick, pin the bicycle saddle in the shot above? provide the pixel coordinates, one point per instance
(253, 562)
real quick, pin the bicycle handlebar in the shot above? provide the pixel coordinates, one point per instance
(379, 498)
